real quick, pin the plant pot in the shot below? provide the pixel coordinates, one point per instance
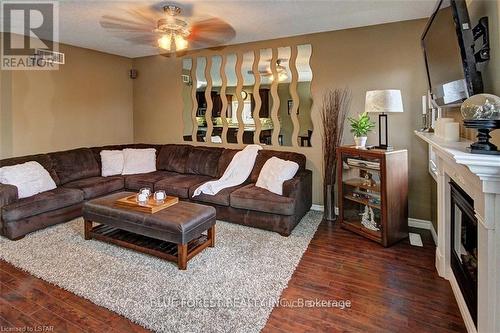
(329, 208)
(360, 142)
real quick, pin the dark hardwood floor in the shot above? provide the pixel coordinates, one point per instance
(390, 290)
(394, 289)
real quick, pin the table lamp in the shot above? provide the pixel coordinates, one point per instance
(383, 101)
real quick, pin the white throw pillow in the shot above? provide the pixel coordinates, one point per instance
(138, 161)
(112, 162)
(30, 178)
(274, 173)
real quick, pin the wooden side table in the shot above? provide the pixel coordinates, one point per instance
(373, 193)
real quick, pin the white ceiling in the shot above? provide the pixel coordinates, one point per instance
(252, 20)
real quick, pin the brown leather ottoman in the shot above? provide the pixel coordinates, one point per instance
(175, 233)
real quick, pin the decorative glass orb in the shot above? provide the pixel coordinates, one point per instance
(481, 107)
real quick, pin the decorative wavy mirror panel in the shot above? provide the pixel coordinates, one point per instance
(260, 96)
(187, 65)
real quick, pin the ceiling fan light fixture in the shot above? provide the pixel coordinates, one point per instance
(165, 42)
(180, 43)
(172, 10)
(171, 32)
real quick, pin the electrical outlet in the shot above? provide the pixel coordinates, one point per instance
(336, 210)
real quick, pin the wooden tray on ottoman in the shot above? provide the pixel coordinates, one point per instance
(151, 206)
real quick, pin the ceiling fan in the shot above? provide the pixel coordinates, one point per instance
(280, 69)
(168, 30)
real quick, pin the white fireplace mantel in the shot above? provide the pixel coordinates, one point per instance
(479, 176)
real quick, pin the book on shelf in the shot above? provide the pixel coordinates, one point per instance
(363, 163)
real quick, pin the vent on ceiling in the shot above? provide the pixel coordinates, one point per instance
(50, 56)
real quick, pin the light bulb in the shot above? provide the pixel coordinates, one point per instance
(282, 76)
(180, 43)
(165, 42)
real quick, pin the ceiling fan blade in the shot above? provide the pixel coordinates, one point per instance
(125, 25)
(174, 54)
(212, 22)
(211, 32)
(144, 39)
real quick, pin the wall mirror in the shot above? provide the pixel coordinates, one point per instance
(187, 84)
(230, 90)
(261, 96)
(215, 114)
(303, 112)
(201, 101)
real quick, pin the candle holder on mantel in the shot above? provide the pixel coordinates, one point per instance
(482, 112)
(427, 114)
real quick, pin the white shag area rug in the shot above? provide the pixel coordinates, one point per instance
(229, 288)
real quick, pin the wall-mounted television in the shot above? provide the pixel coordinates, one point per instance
(448, 45)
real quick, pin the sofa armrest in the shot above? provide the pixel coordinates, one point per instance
(300, 188)
(8, 194)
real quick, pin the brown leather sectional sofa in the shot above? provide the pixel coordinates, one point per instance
(180, 170)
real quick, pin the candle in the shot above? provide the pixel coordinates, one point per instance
(146, 191)
(141, 197)
(451, 132)
(424, 104)
(159, 195)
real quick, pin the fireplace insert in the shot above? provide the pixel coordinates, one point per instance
(464, 246)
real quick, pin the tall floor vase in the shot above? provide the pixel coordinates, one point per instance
(329, 205)
(336, 103)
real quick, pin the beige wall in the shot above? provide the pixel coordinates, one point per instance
(87, 102)
(376, 57)
(5, 115)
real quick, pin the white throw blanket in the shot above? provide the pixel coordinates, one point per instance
(236, 172)
(30, 178)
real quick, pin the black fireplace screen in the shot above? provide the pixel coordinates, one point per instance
(464, 245)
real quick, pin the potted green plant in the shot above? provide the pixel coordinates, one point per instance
(360, 128)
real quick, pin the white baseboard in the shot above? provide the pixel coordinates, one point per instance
(415, 223)
(319, 208)
(423, 224)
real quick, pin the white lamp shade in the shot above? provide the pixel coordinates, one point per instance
(383, 101)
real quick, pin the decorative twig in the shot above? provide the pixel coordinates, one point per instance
(336, 104)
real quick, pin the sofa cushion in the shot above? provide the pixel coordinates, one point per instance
(222, 198)
(136, 182)
(264, 155)
(75, 164)
(178, 184)
(97, 150)
(43, 159)
(97, 186)
(255, 198)
(225, 158)
(173, 158)
(204, 161)
(274, 173)
(138, 161)
(111, 162)
(41, 203)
